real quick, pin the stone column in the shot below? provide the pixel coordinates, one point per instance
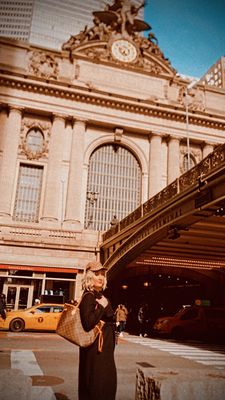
(207, 148)
(155, 174)
(173, 159)
(9, 159)
(73, 202)
(3, 123)
(53, 189)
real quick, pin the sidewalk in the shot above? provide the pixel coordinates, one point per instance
(14, 385)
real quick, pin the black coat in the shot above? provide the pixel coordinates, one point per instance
(97, 371)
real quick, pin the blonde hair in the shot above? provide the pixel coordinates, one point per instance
(87, 282)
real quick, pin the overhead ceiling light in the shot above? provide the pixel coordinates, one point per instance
(220, 212)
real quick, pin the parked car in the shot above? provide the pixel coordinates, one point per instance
(39, 317)
(193, 321)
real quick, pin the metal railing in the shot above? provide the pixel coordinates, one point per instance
(194, 176)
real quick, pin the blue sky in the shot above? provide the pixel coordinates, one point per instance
(191, 33)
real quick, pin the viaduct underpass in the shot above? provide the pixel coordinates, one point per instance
(171, 249)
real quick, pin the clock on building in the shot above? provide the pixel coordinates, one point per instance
(123, 50)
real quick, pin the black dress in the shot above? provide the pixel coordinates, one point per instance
(97, 371)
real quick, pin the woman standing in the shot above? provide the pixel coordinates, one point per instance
(97, 370)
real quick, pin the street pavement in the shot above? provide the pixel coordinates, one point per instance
(52, 362)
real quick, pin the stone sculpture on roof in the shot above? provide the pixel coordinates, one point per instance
(115, 37)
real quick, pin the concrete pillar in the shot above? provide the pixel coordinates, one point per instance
(53, 190)
(180, 383)
(173, 159)
(207, 148)
(11, 135)
(73, 202)
(155, 173)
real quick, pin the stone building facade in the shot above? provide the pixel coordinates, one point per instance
(89, 133)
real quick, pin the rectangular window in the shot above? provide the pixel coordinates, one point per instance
(28, 193)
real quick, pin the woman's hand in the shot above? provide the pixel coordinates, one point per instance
(103, 301)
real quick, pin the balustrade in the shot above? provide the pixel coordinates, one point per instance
(194, 176)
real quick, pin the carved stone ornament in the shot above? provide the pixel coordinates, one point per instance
(195, 154)
(115, 37)
(43, 65)
(198, 101)
(195, 98)
(26, 127)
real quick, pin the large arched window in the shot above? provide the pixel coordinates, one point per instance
(114, 186)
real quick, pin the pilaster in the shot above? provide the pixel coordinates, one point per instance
(73, 202)
(173, 159)
(53, 190)
(3, 123)
(11, 134)
(155, 173)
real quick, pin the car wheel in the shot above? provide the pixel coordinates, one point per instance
(17, 325)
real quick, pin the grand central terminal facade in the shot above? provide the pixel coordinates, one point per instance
(89, 134)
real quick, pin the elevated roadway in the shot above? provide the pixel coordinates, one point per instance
(181, 229)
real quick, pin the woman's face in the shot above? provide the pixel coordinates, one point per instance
(99, 279)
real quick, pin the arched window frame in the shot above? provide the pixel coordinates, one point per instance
(30, 125)
(105, 205)
(35, 133)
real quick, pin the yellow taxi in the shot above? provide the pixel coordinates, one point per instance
(42, 317)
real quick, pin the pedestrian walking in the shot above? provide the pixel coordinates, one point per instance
(2, 306)
(97, 370)
(121, 318)
(143, 319)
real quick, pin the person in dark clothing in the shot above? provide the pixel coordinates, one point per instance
(2, 306)
(144, 319)
(97, 369)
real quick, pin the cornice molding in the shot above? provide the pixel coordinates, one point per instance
(99, 98)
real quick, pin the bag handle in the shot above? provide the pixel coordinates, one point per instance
(100, 338)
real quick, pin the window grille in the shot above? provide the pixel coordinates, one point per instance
(28, 193)
(113, 188)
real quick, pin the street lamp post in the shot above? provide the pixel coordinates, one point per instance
(92, 197)
(188, 87)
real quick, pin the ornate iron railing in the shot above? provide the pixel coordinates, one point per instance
(192, 177)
